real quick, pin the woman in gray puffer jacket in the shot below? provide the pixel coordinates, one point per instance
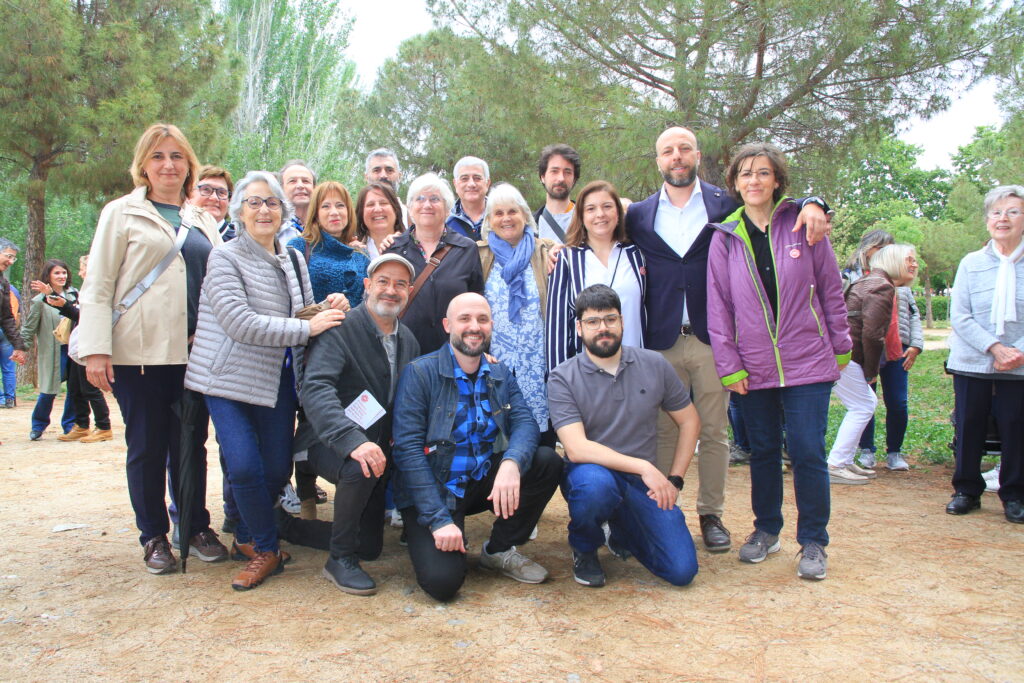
(246, 358)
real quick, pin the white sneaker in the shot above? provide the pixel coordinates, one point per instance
(860, 471)
(867, 458)
(396, 519)
(992, 479)
(841, 475)
(289, 500)
(896, 463)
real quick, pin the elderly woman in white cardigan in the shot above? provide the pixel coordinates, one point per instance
(246, 359)
(986, 356)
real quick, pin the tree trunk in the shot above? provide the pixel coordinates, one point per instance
(35, 247)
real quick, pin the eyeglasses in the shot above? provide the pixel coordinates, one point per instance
(208, 190)
(254, 203)
(424, 199)
(388, 283)
(610, 321)
(996, 214)
(10, 257)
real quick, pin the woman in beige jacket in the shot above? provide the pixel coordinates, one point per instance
(142, 358)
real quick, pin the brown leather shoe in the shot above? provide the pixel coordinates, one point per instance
(716, 537)
(75, 434)
(263, 565)
(158, 556)
(241, 552)
(98, 435)
(207, 547)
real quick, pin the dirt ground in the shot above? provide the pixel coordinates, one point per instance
(912, 594)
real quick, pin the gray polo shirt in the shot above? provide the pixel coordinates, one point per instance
(621, 411)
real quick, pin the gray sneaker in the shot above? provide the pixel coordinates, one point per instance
(867, 458)
(813, 562)
(514, 565)
(896, 463)
(738, 456)
(758, 546)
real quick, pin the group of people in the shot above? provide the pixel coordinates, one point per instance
(437, 351)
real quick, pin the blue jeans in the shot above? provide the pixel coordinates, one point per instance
(894, 392)
(804, 412)
(7, 368)
(657, 538)
(256, 442)
(44, 404)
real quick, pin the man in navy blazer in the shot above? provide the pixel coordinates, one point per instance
(669, 229)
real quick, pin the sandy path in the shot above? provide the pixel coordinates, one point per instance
(912, 594)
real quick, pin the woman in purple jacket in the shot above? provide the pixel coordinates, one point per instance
(779, 334)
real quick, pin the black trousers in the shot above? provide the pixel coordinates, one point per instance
(440, 574)
(976, 399)
(84, 395)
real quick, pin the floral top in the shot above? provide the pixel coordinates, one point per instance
(520, 346)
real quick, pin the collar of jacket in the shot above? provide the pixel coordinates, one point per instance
(255, 249)
(331, 245)
(139, 205)
(735, 226)
(446, 364)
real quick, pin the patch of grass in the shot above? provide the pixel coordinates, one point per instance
(929, 431)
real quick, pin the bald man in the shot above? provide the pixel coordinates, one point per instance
(669, 229)
(466, 442)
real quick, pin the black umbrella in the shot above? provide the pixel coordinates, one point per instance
(191, 410)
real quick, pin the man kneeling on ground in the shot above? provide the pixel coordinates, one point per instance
(466, 441)
(347, 394)
(604, 405)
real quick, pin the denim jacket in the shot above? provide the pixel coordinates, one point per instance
(423, 424)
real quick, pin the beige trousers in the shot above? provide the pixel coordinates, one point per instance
(695, 365)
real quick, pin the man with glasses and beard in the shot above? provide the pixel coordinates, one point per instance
(466, 442)
(604, 405)
(347, 394)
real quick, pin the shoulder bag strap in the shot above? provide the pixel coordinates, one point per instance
(553, 224)
(432, 263)
(147, 282)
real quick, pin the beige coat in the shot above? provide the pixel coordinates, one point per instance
(131, 239)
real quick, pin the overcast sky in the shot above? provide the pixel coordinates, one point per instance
(381, 26)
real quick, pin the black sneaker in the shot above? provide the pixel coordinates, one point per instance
(586, 569)
(346, 574)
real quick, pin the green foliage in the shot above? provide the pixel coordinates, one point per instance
(940, 307)
(995, 156)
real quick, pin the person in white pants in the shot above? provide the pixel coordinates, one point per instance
(870, 307)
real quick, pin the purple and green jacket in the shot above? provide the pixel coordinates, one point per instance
(807, 339)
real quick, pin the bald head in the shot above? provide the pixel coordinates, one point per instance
(678, 156)
(469, 299)
(468, 325)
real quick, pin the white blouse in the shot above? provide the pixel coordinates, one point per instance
(619, 276)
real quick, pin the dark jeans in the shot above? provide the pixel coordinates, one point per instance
(152, 431)
(657, 538)
(441, 574)
(256, 442)
(804, 411)
(202, 427)
(44, 403)
(895, 382)
(358, 526)
(84, 395)
(973, 405)
(739, 428)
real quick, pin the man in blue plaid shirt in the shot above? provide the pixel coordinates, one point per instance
(466, 442)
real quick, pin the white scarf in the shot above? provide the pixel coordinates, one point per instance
(1004, 298)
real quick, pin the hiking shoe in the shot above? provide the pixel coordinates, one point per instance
(896, 463)
(841, 475)
(347, 575)
(98, 435)
(289, 500)
(586, 569)
(714, 534)
(207, 547)
(35, 435)
(514, 565)
(738, 456)
(77, 433)
(321, 495)
(867, 458)
(395, 518)
(813, 562)
(264, 565)
(992, 479)
(758, 546)
(860, 471)
(241, 552)
(158, 556)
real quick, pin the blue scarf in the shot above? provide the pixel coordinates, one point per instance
(514, 262)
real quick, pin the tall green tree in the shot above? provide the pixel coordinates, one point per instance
(798, 72)
(80, 81)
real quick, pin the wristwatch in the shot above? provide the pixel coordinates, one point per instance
(676, 481)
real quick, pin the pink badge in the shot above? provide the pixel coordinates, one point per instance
(794, 253)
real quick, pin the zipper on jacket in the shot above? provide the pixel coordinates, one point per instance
(748, 253)
(810, 302)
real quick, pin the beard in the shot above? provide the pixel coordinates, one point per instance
(460, 345)
(685, 181)
(604, 351)
(385, 308)
(558, 191)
